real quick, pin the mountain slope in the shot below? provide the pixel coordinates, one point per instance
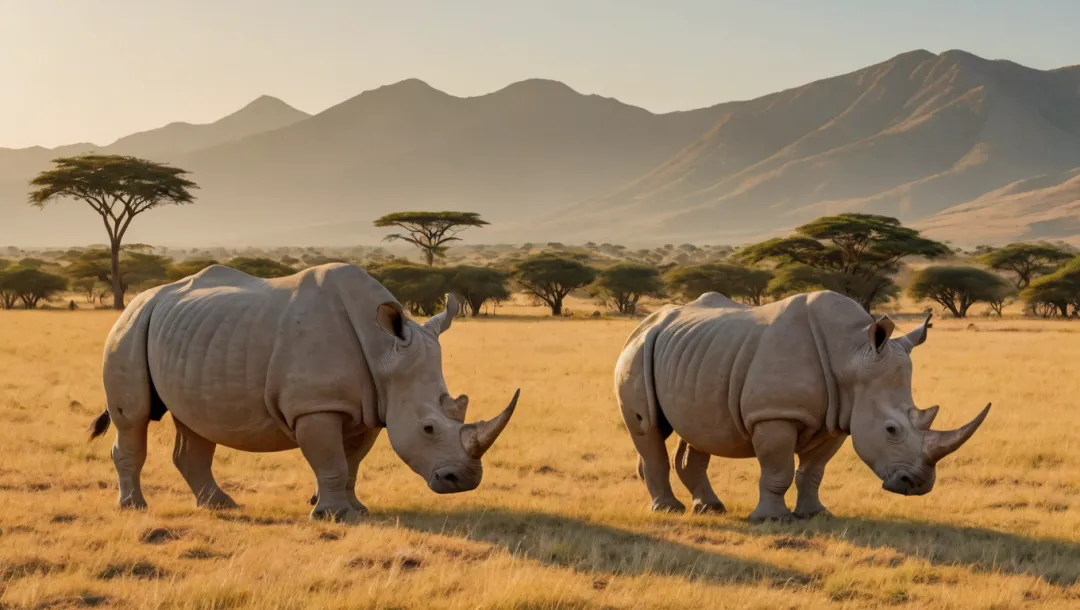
(908, 137)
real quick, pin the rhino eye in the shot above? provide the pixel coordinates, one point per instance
(891, 429)
(429, 429)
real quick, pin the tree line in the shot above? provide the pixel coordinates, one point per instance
(859, 255)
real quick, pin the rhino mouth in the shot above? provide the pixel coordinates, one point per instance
(906, 483)
(454, 477)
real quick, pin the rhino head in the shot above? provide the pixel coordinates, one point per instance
(425, 424)
(890, 434)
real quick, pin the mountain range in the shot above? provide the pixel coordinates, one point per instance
(967, 149)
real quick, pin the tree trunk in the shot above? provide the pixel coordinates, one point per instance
(556, 307)
(117, 281)
(429, 256)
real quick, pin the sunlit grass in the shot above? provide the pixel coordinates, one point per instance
(560, 519)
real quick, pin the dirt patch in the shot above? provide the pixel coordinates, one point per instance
(76, 601)
(142, 570)
(331, 536)
(797, 544)
(25, 568)
(63, 518)
(160, 535)
(201, 552)
(405, 560)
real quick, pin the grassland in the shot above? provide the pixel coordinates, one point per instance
(561, 519)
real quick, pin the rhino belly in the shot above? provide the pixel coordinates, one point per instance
(709, 428)
(208, 360)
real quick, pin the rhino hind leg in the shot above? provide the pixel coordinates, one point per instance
(129, 456)
(808, 477)
(774, 445)
(193, 456)
(692, 466)
(321, 441)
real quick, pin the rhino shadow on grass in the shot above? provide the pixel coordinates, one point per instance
(592, 548)
(940, 544)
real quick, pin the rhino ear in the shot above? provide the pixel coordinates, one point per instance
(391, 320)
(880, 331)
(917, 336)
(441, 322)
(461, 406)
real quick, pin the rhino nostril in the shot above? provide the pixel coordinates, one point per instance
(906, 480)
(450, 477)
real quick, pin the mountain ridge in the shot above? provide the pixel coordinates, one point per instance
(912, 136)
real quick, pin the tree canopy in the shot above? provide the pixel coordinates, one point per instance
(478, 285)
(31, 286)
(429, 231)
(118, 188)
(958, 288)
(622, 285)
(550, 277)
(260, 267)
(731, 280)
(421, 290)
(1026, 260)
(855, 253)
(1053, 294)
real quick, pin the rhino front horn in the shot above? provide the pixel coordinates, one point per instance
(479, 436)
(938, 444)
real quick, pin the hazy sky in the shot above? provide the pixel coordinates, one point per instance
(76, 70)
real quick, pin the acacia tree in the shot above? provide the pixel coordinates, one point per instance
(118, 188)
(622, 285)
(958, 288)
(478, 285)
(429, 231)
(1026, 260)
(1053, 294)
(549, 278)
(855, 254)
(731, 280)
(30, 286)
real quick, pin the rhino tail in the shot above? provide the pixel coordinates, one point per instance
(660, 420)
(100, 424)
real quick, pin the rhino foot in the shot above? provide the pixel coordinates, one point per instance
(343, 515)
(668, 505)
(704, 508)
(819, 511)
(762, 516)
(358, 506)
(133, 503)
(218, 500)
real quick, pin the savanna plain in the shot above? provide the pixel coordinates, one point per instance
(561, 519)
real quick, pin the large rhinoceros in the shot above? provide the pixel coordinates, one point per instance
(321, 360)
(796, 376)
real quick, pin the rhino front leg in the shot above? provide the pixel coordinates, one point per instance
(774, 446)
(193, 456)
(808, 477)
(321, 441)
(692, 466)
(356, 454)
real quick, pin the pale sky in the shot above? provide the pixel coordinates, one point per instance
(81, 70)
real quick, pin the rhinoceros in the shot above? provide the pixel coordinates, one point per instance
(792, 377)
(322, 360)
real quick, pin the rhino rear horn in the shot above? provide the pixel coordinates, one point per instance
(478, 437)
(938, 444)
(924, 418)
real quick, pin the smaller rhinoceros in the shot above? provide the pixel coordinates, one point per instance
(793, 377)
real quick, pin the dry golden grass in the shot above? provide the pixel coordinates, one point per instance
(560, 520)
